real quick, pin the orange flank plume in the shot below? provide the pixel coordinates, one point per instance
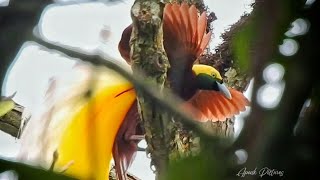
(214, 106)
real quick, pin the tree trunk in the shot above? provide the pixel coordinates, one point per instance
(149, 57)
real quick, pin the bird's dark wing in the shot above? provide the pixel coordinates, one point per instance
(124, 46)
(185, 38)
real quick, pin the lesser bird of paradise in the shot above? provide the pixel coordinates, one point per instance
(105, 125)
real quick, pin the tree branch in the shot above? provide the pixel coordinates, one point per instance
(168, 102)
(10, 123)
(29, 172)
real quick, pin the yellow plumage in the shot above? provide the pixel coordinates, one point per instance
(82, 129)
(205, 69)
(88, 140)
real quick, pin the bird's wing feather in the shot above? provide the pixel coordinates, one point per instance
(214, 106)
(124, 46)
(185, 36)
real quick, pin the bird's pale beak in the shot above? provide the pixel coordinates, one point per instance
(224, 90)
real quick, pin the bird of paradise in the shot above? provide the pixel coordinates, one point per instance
(87, 132)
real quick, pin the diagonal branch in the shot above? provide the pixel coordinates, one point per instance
(169, 102)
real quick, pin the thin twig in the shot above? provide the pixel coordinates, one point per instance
(54, 160)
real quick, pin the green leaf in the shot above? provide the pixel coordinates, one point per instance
(241, 45)
(202, 166)
(6, 106)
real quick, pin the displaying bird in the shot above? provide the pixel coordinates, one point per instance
(88, 131)
(201, 86)
(185, 39)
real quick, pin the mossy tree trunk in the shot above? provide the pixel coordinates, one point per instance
(149, 58)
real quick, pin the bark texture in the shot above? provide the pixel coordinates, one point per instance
(10, 123)
(149, 57)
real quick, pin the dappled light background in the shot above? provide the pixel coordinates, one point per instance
(96, 28)
(269, 95)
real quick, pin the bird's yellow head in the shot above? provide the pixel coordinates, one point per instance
(205, 69)
(208, 78)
